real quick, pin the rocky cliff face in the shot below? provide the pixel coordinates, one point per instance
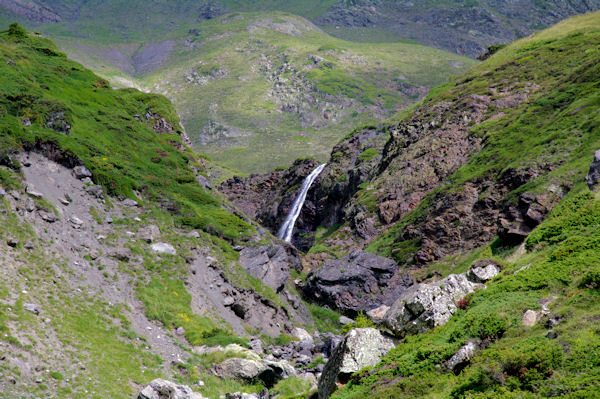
(432, 185)
(461, 27)
(32, 11)
(267, 198)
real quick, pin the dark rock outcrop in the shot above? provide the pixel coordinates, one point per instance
(267, 198)
(517, 221)
(593, 176)
(357, 282)
(462, 27)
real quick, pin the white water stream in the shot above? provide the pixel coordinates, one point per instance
(287, 228)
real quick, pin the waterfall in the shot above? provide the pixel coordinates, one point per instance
(287, 228)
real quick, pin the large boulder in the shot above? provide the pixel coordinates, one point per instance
(352, 283)
(163, 389)
(360, 348)
(263, 371)
(269, 263)
(425, 306)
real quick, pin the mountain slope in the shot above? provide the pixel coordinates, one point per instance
(256, 91)
(489, 169)
(458, 26)
(117, 259)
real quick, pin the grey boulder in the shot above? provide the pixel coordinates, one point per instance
(149, 233)
(462, 357)
(129, 202)
(81, 172)
(163, 389)
(425, 306)
(360, 348)
(32, 192)
(30, 307)
(269, 263)
(482, 272)
(163, 248)
(264, 371)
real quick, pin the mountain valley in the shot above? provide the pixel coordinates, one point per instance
(447, 248)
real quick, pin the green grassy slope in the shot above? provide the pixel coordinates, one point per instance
(258, 90)
(266, 101)
(87, 338)
(38, 80)
(560, 126)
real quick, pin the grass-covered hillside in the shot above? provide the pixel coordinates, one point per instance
(48, 98)
(518, 133)
(557, 277)
(256, 91)
(111, 275)
(256, 87)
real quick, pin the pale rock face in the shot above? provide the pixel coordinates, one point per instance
(163, 248)
(360, 348)
(425, 306)
(482, 274)
(161, 389)
(462, 356)
(302, 334)
(529, 318)
(378, 314)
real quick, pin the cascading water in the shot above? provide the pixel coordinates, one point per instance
(287, 228)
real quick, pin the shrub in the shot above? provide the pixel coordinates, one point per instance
(361, 321)
(531, 360)
(463, 303)
(591, 279)
(17, 30)
(489, 327)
